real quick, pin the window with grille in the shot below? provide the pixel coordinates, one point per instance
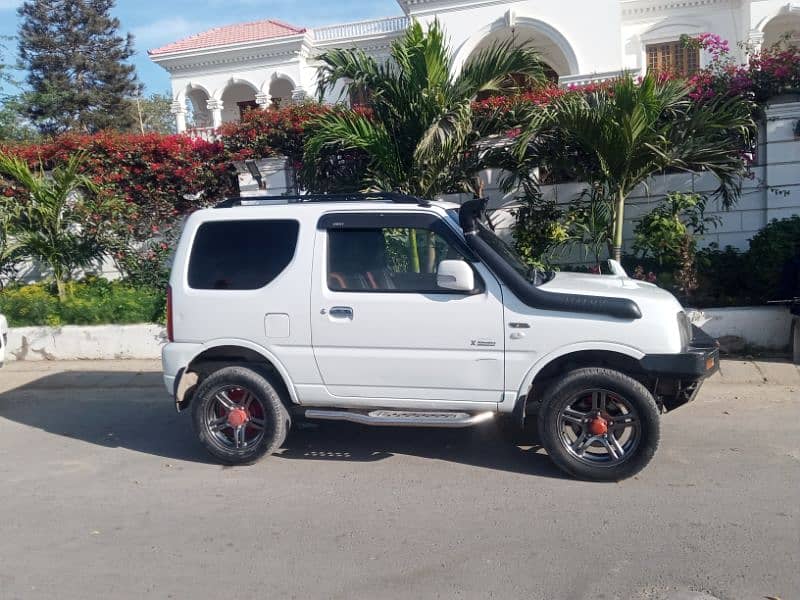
(674, 58)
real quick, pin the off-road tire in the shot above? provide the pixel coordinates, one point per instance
(559, 395)
(260, 383)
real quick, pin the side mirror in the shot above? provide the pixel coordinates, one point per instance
(455, 275)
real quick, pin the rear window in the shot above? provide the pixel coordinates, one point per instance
(241, 255)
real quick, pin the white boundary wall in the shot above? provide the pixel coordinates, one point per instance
(766, 328)
(74, 342)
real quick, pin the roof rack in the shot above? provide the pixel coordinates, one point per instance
(395, 197)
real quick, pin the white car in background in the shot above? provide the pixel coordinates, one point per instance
(3, 338)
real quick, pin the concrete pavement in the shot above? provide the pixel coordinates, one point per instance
(105, 493)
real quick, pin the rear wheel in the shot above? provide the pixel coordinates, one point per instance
(599, 424)
(239, 416)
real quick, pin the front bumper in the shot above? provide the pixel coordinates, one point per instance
(678, 377)
(699, 361)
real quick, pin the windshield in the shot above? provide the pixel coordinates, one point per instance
(506, 252)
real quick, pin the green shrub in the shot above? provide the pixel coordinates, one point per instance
(30, 305)
(723, 276)
(90, 302)
(770, 249)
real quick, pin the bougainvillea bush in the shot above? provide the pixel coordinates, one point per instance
(267, 133)
(771, 72)
(283, 132)
(154, 179)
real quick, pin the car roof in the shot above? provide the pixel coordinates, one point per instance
(322, 202)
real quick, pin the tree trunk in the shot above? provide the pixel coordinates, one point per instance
(61, 286)
(413, 251)
(62, 289)
(619, 222)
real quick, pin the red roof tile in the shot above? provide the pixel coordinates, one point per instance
(231, 34)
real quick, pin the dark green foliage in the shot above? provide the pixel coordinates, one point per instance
(723, 276)
(770, 249)
(730, 278)
(90, 302)
(668, 236)
(539, 230)
(76, 62)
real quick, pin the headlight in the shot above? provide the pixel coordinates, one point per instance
(685, 328)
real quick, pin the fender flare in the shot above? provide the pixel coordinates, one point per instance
(546, 359)
(258, 349)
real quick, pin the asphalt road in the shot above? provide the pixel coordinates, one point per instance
(104, 493)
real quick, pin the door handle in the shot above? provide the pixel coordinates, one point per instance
(341, 312)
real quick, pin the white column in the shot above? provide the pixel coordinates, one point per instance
(215, 106)
(179, 110)
(263, 99)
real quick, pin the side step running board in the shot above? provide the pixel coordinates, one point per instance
(403, 418)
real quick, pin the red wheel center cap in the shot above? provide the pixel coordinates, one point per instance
(238, 417)
(598, 426)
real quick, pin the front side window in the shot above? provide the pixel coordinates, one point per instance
(241, 255)
(389, 259)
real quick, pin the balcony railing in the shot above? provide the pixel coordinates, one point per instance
(361, 29)
(208, 134)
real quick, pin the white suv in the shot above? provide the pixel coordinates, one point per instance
(389, 310)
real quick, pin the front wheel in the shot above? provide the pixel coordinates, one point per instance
(239, 416)
(599, 424)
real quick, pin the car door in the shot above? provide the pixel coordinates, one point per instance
(381, 326)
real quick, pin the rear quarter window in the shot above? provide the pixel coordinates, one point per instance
(241, 255)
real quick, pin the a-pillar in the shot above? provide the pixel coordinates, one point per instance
(215, 106)
(179, 110)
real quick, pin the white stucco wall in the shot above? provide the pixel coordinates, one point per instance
(589, 31)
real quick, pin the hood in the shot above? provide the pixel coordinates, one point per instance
(608, 285)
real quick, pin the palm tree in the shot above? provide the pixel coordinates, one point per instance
(631, 130)
(48, 224)
(418, 129)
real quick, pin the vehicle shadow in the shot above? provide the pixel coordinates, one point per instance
(131, 410)
(480, 446)
(114, 409)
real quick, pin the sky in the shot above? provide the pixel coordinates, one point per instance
(158, 22)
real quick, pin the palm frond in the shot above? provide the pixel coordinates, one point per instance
(490, 69)
(351, 66)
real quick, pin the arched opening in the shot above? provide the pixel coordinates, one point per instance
(557, 62)
(281, 90)
(554, 50)
(783, 30)
(198, 116)
(237, 99)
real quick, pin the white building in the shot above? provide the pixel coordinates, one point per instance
(218, 74)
